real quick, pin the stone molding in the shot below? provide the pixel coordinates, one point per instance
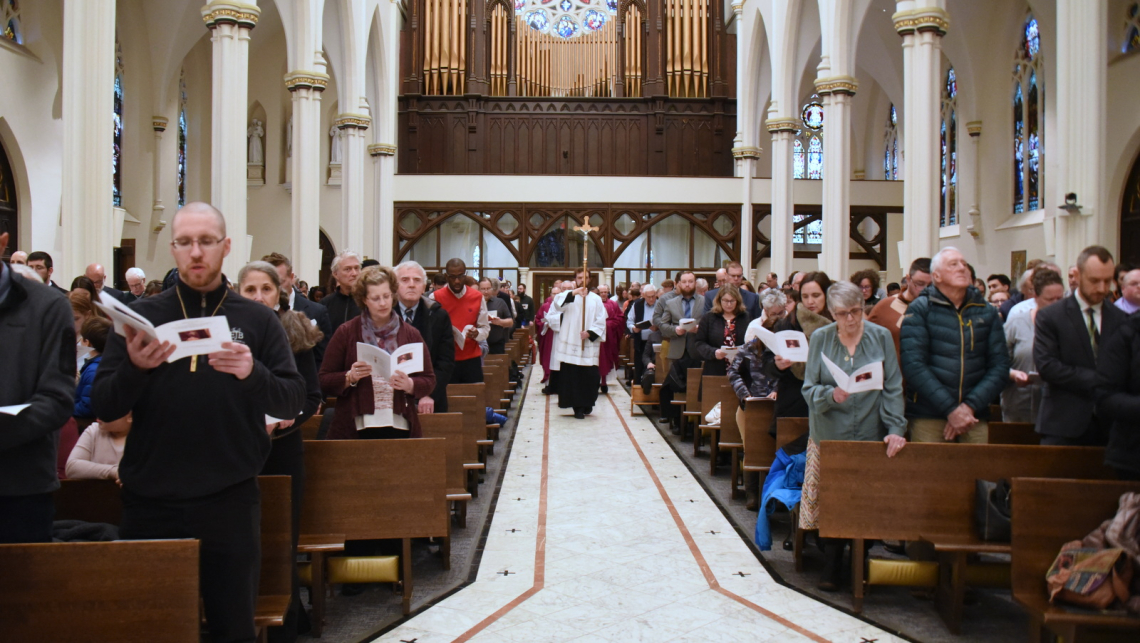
(381, 149)
(301, 79)
(836, 85)
(243, 15)
(933, 19)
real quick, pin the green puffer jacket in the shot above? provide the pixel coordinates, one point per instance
(952, 356)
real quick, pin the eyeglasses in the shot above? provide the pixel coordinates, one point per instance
(205, 243)
(864, 287)
(848, 314)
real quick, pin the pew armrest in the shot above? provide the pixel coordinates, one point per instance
(309, 543)
(474, 466)
(967, 543)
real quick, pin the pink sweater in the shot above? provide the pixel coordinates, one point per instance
(95, 456)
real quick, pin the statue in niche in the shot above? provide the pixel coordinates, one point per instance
(334, 146)
(256, 153)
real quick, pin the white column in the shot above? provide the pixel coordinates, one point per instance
(836, 92)
(384, 171)
(746, 157)
(922, 29)
(608, 278)
(306, 87)
(230, 23)
(783, 202)
(1080, 99)
(352, 184)
(88, 110)
(158, 209)
(974, 227)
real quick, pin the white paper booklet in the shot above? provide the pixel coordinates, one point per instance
(14, 409)
(460, 335)
(492, 314)
(867, 378)
(194, 336)
(408, 358)
(687, 324)
(792, 345)
(730, 352)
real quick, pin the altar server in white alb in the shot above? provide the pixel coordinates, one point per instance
(577, 348)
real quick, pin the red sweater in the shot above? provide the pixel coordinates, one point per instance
(352, 401)
(464, 312)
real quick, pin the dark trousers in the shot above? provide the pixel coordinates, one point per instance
(665, 396)
(1088, 439)
(497, 348)
(468, 371)
(26, 519)
(287, 458)
(227, 525)
(638, 349)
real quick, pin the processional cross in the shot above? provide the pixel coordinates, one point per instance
(585, 229)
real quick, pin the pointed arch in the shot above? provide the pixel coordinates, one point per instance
(1028, 118)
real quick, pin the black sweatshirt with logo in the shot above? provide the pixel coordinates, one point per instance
(197, 433)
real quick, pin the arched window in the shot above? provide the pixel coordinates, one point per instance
(1028, 110)
(10, 21)
(182, 139)
(117, 139)
(948, 210)
(1132, 28)
(807, 150)
(891, 146)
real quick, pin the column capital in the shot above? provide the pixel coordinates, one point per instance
(381, 149)
(303, 79)
(777, 125)
(836, 85)
(218, 13)
(738, 8)
(159, 123)
(746, 152)
(352, 121)
(974, 128)
(919, 20)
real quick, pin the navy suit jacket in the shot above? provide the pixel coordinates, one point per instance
(319, 314)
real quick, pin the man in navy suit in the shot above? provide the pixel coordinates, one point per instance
(98, 276)
(1067, 338)
(736, 277)
(316, 313)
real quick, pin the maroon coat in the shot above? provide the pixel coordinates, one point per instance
(352, 401)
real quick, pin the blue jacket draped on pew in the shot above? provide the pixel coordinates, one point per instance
(783, 483)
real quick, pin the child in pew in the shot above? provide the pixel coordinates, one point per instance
(94, 336)
(97, 454)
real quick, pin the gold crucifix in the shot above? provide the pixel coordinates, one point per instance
(585, 229)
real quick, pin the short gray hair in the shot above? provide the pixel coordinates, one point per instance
(702, 283)
(345, 254)
(936, 262)
(136, 272)
(844, 294)
(494, 281)
(648, 288)
(411, 265)
(774, 297)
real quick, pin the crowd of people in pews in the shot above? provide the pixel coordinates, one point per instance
(184, 432)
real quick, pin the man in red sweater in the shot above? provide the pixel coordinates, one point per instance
(468, 312)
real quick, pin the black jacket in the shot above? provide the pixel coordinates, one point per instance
(319, 314)
(434, 325)
(524, 309)
(37, 368)
(118, 294)
(1118, 395)
(341, 308)
(710, 337)
(1064, 357)
(195, 434)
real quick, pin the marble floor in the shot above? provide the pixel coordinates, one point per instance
(601, 534)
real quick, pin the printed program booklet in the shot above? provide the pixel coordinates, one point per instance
(792, 345)
(194, 336)
(867, 378)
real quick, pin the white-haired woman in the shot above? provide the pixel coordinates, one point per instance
(835, 414)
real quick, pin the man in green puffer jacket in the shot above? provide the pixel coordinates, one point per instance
(954, 356)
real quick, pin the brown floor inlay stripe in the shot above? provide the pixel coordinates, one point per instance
(697, 555)
(539, 550)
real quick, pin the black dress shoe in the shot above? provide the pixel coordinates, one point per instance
(605, 389)
(578, 415)
(588, 410)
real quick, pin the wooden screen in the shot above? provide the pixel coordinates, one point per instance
(445, 47)
(686, 43)
(552, 66)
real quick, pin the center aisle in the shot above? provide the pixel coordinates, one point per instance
(602, 534)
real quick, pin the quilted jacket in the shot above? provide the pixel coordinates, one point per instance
(952, 356)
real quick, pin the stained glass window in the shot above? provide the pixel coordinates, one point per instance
(807, 150)
(1132, 28)
(891, 146)
(117, 140)
(10, 21)
(948, 204)
(810, 234)
(182, 140)
(1028, 120)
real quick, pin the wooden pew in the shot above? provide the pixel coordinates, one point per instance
(311, 427)
(638, 398)
(378, 489)
(449, 427)
(759, 446)
(117, 592)
(1013, 433)
(1047, 514)
(926, 492)
(480, 391)
(789, 430)
(101, 501)
(728, 438)
(474, 429)
(711, 395)
(690, 404)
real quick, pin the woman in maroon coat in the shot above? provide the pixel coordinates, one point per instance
(358, 390)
